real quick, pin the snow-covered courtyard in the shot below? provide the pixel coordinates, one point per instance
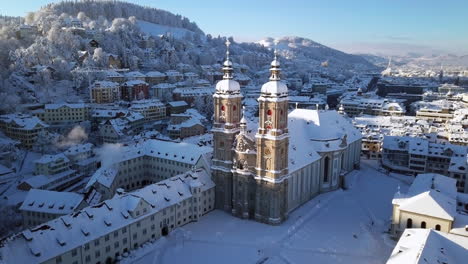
(345, 226)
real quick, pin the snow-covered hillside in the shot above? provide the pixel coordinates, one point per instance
(303, 49)
(156, 30)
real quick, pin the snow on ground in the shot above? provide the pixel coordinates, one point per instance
(157, 29)
(344, 226)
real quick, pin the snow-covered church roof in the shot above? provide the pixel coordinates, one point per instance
(228, 85)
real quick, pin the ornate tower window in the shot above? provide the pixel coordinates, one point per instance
(234, 108)
(269, 112)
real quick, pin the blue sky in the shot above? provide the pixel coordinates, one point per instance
(397, 26)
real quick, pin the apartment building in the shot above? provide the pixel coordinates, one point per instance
(22, 127)
(102, 233)
(162, 91)
(418, 155)
(151, 109)
(59, 114)
(134, 90)
(102, 92)
(155, 77)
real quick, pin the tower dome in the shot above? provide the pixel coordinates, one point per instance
(275, 87)
(227, 84)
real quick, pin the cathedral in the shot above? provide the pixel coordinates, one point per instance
(267, 170)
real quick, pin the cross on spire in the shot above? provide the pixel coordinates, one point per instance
(227, 66)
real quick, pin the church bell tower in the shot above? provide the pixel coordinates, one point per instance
(272, 149)
(227, 113)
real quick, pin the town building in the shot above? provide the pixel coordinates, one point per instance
(185, 125)
(41, 206)
(418, 155)
(22, 127)
(439, 111)
(134, 90)
(82, 158)
(176, 107)
(135, 75)
(292, 157)
(430, 202)
(62, 114)
(148, 161)
(370, 105)
(151, 109)
(104, 232)
(119, 129)
(421, 246)
(162, 91)
(102, 92)
(52, 172)
(155, 77)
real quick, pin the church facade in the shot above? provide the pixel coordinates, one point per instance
(266, 170)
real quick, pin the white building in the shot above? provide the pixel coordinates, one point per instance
(430, 202)
(41, 206)
(58, 114)
(152, 109)
(423, 246)
(146, 162)
(102, 233)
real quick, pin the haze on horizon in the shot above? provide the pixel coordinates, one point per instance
(376, 27)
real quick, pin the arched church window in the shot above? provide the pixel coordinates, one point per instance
(234, 107)
(438, 227)
(423, 224)
(409, 223)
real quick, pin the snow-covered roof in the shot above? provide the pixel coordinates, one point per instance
(79, 148)
(57, 106)
(314, 131)
(180, 152)
(70, 231)
(155, 74)
(423, 246)
(135, 82)
(23, 121)
(431, 203)
(430, 194)
(51, 202)
(164, 86)
(105, 84)
(177, 103)
(52, 158)
(134, 74)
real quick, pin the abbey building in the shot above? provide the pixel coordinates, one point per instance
(292, 157)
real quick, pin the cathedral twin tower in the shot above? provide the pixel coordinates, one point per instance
(250, 171)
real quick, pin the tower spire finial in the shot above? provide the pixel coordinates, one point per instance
(275, 65)
(228, 43)
(227, 65)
